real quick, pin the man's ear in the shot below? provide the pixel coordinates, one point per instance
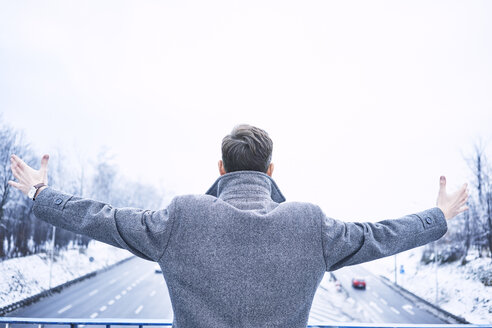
(269, 172)
(222, 171)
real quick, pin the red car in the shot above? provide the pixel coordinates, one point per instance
(359, 283)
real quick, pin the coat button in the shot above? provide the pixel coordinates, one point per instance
(428, 220)
(58, 201)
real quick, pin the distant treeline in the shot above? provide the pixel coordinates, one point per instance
(471, 231)
(21, 233)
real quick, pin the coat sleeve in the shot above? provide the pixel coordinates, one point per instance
(144, 233)
(349, 243)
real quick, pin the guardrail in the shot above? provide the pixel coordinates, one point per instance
(74, 323)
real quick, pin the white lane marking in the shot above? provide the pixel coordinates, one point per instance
(383, 301)
(394, 310)
(123, 292)
(95, 314)
(374, 305)
(103, 308)
(137, 311)
(351, 300)
(368, 288)
(112, 281)
(126, 273)
(408, 308)
(134, 285)
(129, 288)
(111, 302)
(152, 293)
(93, 292)
(375, 294)
(162, 282)
(68, 307)
(118, 296)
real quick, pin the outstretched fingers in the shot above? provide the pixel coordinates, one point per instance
(18, 161)
(442, 184)
(15, 184)
(44, 166)
(16, 170)
(462, 209)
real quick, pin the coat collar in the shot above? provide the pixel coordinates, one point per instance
(241, 182)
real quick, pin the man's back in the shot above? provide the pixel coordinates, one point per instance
(242, 259)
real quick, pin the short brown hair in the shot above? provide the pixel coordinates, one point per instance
(247, 148)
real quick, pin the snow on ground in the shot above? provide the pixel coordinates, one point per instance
(27, 276)
(460, 291)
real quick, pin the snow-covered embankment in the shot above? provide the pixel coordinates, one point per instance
(24, 277)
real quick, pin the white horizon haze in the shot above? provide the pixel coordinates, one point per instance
(367, 103)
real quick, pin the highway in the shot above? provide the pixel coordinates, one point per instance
(378, 302)
(129, 290)
(134, 290)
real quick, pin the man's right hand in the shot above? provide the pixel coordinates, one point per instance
(452, 204)
(26, 175)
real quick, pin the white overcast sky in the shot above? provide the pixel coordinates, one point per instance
(367, 102)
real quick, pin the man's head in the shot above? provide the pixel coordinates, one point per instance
(246, 148)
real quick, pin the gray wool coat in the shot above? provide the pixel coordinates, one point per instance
(240, 256)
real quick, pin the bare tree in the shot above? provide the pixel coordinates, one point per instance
(480, 216)
(103, 183)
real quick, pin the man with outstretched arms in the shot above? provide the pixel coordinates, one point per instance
(240, 255)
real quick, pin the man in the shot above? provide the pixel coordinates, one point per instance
(239, 256)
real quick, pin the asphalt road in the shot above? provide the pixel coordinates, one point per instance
(134, 290)
(379, 302)
(129, 290)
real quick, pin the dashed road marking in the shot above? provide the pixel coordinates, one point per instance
(68, 307)
(129, 288)
(95, 314)
(111, 302)
(408, 308)
(368, 288)
(94, 292)
(118, 296)
(123, 292)
(375, 294)
(394, 310)
(374, 305)
(103, 308)
(152, 293)
(134, 285)
(112, 281)
(383, 301)
(137, 311)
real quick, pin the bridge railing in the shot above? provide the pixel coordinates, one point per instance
(11, 322)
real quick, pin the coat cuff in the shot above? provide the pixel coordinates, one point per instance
(433, 219)
(50, 197)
